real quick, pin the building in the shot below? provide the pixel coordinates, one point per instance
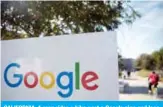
(129, 64)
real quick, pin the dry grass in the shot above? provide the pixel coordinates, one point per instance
(145, 73)
(161, 79)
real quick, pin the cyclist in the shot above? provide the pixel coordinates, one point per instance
(153, 81)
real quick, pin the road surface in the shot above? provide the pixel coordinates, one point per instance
(138, 89)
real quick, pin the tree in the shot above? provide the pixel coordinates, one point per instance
(145, 61)
(152, 61)
(120, 62)
(138, 63)
(158, 58)
(20, 19)
(161, 59)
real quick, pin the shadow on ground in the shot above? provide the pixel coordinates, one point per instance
(142, 90)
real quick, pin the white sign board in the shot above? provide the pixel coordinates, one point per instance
(73, 67)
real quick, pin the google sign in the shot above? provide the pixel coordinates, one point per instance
(75, 67)
(84, 80)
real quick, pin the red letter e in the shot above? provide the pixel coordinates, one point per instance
(86, 79)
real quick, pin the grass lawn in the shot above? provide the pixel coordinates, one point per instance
(161, 79)
(145, 73)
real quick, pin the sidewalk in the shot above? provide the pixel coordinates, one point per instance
(138, 89)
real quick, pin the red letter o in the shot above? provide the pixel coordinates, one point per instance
(35, 80)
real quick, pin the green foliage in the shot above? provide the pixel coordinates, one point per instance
(158, 59)
(144, 73)
(20, 19)
(120, 74)
(151, 62)
(120, 62)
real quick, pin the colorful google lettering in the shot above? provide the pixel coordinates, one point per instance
(86, 78)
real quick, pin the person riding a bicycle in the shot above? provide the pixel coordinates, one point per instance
(153, 81)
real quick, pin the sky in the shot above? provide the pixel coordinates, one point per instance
(145, 35)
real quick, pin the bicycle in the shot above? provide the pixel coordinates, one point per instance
(154, 91)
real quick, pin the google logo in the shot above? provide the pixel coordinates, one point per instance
(86, 78)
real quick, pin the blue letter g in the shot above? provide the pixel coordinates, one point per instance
(15, 75)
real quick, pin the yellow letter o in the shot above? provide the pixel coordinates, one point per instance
(42, 81)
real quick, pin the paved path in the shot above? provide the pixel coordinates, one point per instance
(138, 89)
